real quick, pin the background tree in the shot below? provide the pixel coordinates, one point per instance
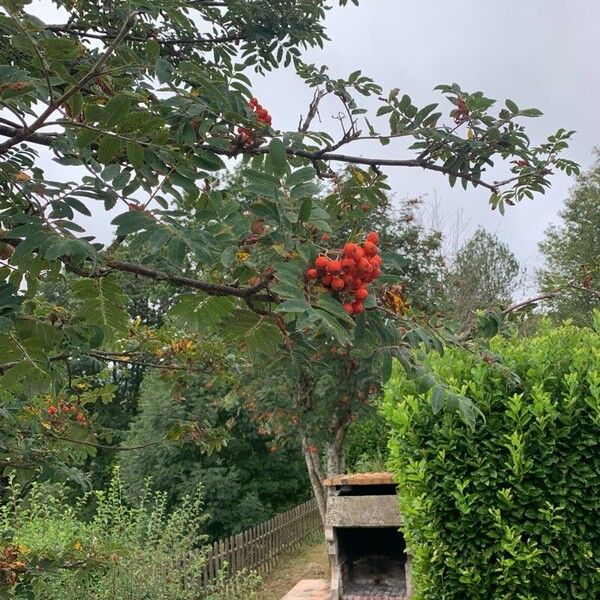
(484, 273)
(246, 481)
(572, 251)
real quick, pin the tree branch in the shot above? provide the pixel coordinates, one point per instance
(210, 288)
(25, 133)
(132, 38)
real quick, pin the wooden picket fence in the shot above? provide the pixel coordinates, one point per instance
(259, 548)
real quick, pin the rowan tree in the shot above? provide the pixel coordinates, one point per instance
(140, 105)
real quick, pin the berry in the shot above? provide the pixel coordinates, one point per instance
(325, 237)
(347, 264)
(253, 102)
(321, 262)
(376, 260)
(326, 280)
(364, 265)
(348, 308)
(361, 294)
(334, 267)
(337, 284)
(376, 272)
(357, 253)
(52, 410)
(350, 248)
(373, 237)
(370, 248)
(358, 307)
(312, 273)
(348, 278)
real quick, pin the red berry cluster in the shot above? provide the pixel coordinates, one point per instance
(67, 409)
(350, 273)
(264, 117)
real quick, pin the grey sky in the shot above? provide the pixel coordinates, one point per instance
(540, 53)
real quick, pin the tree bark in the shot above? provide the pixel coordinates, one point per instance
(315, 475)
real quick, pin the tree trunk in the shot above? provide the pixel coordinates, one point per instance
(315, 474)
(335, 463)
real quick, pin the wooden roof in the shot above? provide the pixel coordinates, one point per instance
(361, 479)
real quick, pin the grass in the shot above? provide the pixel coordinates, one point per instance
(309, 562)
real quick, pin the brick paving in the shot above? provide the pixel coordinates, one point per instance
(374, 592)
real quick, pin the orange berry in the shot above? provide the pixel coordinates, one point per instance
(337, 284)
(373, 237)
(326, 280)
(349, 248)
(361, 294)
(321, 262)
(364, 265)
(347, 264)
(348, 278)
(312, 273)
(376, 260)
(358, 307)
(357, 253)
(348, 308)
(376, 272)
(334, 267)
(52, 410)
(370, 248)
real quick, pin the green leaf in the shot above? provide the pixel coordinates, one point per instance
(135, 154)
(198, 312)
(108, 148)
(438, 399)
(177, 251)
(278, 157)
(512, 107)
(116, 109)
(299, 176)
(132, 221)
(102, 303)
(152, 48)
(293, 306)
(164, 70)
(305, 210)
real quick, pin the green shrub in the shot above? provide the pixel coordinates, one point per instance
(511, 509)
(366, 448)
(141, 552)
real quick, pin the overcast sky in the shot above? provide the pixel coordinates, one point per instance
(540, 53)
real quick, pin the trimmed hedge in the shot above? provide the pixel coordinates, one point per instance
(510, 510)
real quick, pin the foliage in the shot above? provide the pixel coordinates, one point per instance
(484, 273)
(121, 552)
(148, 101)
(366, 446)
(247, 481)
(510, 509)
(571, 252)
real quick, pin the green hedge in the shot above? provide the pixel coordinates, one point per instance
(510, 510)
